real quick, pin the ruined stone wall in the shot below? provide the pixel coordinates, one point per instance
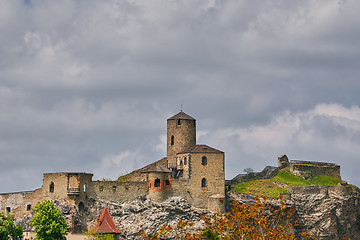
(20, 203)
(311, 169)
(119, 192)
(60, 183)
(214, 174)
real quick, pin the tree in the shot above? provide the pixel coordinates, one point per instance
(48, 222)
(8, 230)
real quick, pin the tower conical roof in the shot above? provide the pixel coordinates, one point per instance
(106, 223)
(181, 115)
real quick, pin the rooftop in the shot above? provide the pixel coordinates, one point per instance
(201, 149)
(106, 223)
(181, 115)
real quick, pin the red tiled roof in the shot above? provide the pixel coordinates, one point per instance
(106, 223)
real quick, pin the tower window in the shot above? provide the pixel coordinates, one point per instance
(204, 160)
(180, 162)
(172, 140)
(178, 122)
(28, 207)
(157, 182)
(185, 161)
(52, 187)
(203, 182)
(8, 209)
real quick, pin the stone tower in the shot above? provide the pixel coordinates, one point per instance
(181, 135)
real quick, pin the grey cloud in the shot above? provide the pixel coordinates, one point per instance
(85, 81)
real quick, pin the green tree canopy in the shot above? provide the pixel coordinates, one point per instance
(8, 230)
(48, 222)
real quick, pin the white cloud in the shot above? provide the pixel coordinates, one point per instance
(328, 132)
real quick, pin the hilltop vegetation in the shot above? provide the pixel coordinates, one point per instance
(282, 182)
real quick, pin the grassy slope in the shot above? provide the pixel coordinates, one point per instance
(281, 183)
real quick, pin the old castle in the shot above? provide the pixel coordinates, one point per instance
(193, 172)
(190, 171)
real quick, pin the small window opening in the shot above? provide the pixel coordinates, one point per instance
(28, 207)
(8, 209)
(180, 162)
(52, 187)
(157, 182)
(101, 188)
(84, 187)
(185, 161)
(167, 182)
(203, 182)
(172, 140)
(204, 160)
(178, 122)
(114, 188)
(81, 206)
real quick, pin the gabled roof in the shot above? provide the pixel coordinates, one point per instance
(181, 115)
(201, 149)
(106, 223)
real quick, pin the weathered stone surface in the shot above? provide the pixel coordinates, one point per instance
(328, 212)
(131, 218)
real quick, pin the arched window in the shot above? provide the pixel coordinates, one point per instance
(179, 122)
(203, 182)
(157, 182)
(172, 140)
(185, 161)
(204, 160)
(180, 162)
(52, 187)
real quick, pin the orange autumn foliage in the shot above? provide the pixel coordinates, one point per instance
(244, 221)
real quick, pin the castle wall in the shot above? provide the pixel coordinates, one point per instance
(310, 169)
(180, 187)
(20, 203)
(119, 192)
(183, 163)
(213, 173)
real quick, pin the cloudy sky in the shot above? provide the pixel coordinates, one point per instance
(87, 85)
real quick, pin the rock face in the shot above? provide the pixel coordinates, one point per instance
(130, 218)
(327, 212)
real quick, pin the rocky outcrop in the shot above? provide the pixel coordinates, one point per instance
(327, 212)
(130, 218)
